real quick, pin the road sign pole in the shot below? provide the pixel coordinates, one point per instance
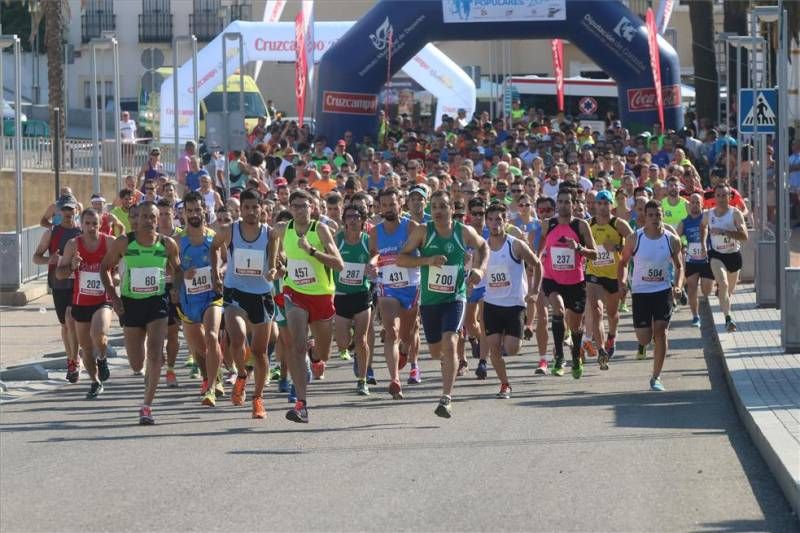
(735, 179)
(783, 161)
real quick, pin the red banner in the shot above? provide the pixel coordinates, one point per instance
(558, 68)
(301, 68)
(655, 62)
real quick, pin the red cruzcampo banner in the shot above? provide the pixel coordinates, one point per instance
(301, 68)
(558, 68)
(349, 103)
(655, 62)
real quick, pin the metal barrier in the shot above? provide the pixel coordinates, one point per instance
(16, 258)
(38, 154)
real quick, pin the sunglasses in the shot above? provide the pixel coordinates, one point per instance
(516, 191)
(459, 215)
(524, 205)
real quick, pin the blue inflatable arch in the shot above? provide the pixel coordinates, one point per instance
(353, 71)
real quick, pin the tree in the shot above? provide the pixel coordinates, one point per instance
(55, 13)
(701, 13)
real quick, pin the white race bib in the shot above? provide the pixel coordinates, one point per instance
(604, 257)
(200, 282)
(498, 278)
(248, 262)
(301, 273)
(723, 243)
(562, 258)
(145, 280)
(653, 273)
(90, 284)
(442, 279)
(394, 276)
(352, 274)
(695, 251)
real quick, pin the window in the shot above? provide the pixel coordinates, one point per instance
(206, 22)
(253, 104)
(155, 22)
(97, 18)
(242, 10)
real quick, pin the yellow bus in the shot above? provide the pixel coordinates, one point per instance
(254, 106)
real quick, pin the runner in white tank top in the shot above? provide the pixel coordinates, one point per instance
(727, 228)
(654, 249)
(507, 292)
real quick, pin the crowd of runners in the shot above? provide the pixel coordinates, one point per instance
(470, 238)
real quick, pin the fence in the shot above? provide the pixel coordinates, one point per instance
(16, 258)
(37, 153)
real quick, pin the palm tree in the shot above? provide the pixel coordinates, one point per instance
(55, 13)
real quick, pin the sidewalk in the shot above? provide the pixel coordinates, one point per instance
(764, 383)
(22, 328)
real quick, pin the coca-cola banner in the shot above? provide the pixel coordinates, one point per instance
(655, 62)
(645, 99)
(558, 68)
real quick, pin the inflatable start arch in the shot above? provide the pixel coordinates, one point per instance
(352, 72)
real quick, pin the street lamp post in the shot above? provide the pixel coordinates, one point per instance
(235, 36)
(95, 44)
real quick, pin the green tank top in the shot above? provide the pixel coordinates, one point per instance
(674, 214)
(444, 284)
(144, 269)
(305, 274)
(123, 218)
(352, 279)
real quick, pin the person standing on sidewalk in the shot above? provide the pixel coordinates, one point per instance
(144, 303)
(91, 306)
(654, 250)
(727, 228)
(52, 243)
(442, 244)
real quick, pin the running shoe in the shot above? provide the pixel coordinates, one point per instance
(623, 307)
(542, 369)
(443, 409)
(558, 367)
(505, 392)
(402, 359)
(611, 346)
(414, 376)
(362, 388)
(730, 327)
(238, 393)
(696, 321)
(230, 377)
(283, 385)
(95, 390)
(146, 416)
(318, 369)
(172, 379)
(203, 387)
(298, 413)
(602, 359)
(292, 397)
(480, 372)
(641, 352)
(656, 385)
(195, 373)
(73, 370)
(189, 361)
(219, 390)
(527, 334)
(209, 399)
(567, 338)
(463, 366)
(275, 373)
(308, 369)
(102, 369)
(684, 298)
(577, 368)
(344, 355)
(371, 376)
(396, 390)
(258, 408)
(588, 348)
(476, 347)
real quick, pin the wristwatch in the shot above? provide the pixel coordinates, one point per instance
(312, 252)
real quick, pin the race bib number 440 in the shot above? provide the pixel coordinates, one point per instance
(200, 282)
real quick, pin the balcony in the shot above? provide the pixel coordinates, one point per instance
(155, 27)
(94, 23)
(206, 24)
(241, 11)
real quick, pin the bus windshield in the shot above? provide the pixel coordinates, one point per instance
(253, 103)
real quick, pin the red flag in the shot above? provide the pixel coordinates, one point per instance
(655, 62)
(301, 68)
(558, 67)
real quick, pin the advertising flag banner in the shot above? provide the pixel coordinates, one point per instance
(655, 63)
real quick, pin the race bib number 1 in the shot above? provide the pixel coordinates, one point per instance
(442, 279)
(91, 284)
(145, 280)
(562, 258)
(248, 262)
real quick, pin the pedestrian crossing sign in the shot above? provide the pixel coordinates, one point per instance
(758, 111)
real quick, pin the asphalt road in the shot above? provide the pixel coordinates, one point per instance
(602, 453)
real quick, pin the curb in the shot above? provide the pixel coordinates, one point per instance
(773, 453)
(24, 295)
(36, 370)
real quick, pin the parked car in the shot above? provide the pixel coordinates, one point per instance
(8, 119)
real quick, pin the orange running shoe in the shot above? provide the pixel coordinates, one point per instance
(237, 396)
(258, 408)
